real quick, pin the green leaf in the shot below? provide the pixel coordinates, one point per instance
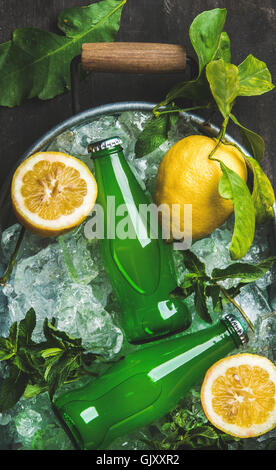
(155, 133)
(231, 186)
(209, 42)
(60, 370)
(12, 388)
(201, 302)
(21, 361)
(253, 142)
(197, 89)
(224, 83)
(13, 334)
(205, 34)
(58, 337)
(37, 63)
(49, 352)
(6, 349)
(244, 271)
(224, 48)
(186, 289)
(33, 390)
(254, 77)
(213, 292)
(263, 194)
(204, 432)
(26, 328)
(193, 263)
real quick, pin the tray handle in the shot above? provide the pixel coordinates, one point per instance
(129, 57)
(133, 57)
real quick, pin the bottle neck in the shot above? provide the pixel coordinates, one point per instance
(107, 152)
(236, 329)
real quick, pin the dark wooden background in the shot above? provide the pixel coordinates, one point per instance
(251, 25)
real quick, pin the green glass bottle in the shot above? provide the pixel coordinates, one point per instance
(145, 385)
(139, 265)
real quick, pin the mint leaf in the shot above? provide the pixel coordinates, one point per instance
(224, 83)
(231, 186)
(12, 388)
(205, 34)
(61, 370)
(26, 328)
(202, 436)
(56, 336)
(252, 141)
(201, 301)
(37, 63)
(246, 272)
(194, 264)
(6, 349)
(213, 291)
(33, 390)
(254, 77)
(155, 133)
(38, 367)
(13, 334)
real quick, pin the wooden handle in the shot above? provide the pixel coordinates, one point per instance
(133, 57)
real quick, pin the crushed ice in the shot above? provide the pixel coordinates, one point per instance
(64, 278)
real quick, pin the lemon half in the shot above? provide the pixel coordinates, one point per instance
(52, 193)
(238, 395)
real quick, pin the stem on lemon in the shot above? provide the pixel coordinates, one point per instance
(220, 138)
(180, 110)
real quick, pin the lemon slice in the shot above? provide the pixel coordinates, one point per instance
(238, 395)
(52, 193)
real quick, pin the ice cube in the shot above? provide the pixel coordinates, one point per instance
(27, 422)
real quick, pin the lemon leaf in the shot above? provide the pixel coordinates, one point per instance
(205, 34)
(253, 142)
(254, 77)
(263, 194)
(197, 89)
(232, 186)
(223, 79)
(37, 62)
(224, 48)
(209, 42)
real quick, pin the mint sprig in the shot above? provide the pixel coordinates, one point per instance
(185, 429)
(205, 286)
(40, 367)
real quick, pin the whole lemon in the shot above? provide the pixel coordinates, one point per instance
(187, 176)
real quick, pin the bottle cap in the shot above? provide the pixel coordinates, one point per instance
(237, 327)
(106, 144)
